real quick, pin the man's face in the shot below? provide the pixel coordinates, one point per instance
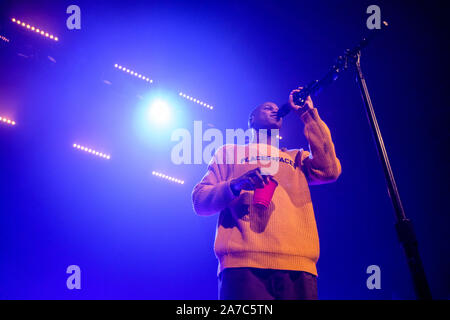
(265, 117)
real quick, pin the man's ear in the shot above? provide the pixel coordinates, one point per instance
(250, 120)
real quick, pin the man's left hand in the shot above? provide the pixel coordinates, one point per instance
(300, 109)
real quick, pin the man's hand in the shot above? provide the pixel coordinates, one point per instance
(300, 109)
(249, 181)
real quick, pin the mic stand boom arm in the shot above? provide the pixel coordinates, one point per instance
(340, 66)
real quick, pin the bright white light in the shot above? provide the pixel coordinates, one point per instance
(159, 112)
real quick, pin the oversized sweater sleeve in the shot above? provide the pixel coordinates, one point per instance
(213, 192)
(320, 165)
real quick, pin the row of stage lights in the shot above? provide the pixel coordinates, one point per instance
(33, 28)
(107, 156)
(92, 151)
(4, 38)
(133, 73)
(7, 121)
(181, 94)
(163, 176)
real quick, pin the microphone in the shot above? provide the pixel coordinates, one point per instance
(299, 99)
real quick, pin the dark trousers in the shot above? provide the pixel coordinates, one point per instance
(266, 284)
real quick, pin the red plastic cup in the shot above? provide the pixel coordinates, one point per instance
(263, 196)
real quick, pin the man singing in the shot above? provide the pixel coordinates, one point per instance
(268, 252)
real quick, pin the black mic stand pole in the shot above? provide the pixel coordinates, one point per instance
(403, 225)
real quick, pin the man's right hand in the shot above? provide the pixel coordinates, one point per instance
(250, 180)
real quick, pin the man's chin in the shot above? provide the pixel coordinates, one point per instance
(274, 125)
(271, 126)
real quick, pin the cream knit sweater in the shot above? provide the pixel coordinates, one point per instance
(283, 236)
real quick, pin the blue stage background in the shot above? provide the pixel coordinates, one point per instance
(135, 236)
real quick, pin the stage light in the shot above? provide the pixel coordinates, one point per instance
(161, 175)
(279, 137)
(92, 151)
(204, 104)
(7, 121)
(159, 112)
(32, 28)
(133, 73)
(4, 38)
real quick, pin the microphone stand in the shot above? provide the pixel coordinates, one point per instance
(403, 225)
